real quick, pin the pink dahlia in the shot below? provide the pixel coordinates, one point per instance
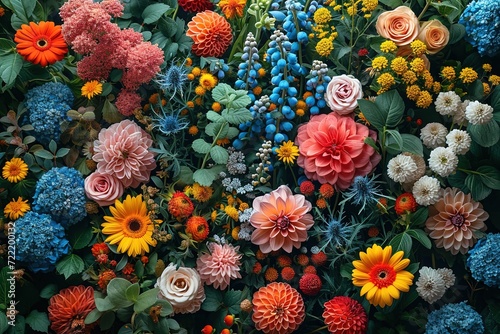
(332, 150)
(123, 150)
(281, 220)
(220, 266)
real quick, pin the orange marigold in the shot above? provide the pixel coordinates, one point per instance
(180, 206)
(405, 203)
(326, 190)
(232, 8)
(271, 274)
(211, 34)
(287, 274)
(197, 226)
(104, 278)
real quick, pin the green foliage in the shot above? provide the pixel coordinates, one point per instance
(69, 265)
(38, 321)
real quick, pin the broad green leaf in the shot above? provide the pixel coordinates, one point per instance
(160, 39)
(205, 177)
(478, 189)
(132, 292)
(93, 316)
(421, 237)
(167, 26)
(107, 320)
(201, 146)
(394, 142)
(495, 99)
(10, 66)
(457, 32)
(391, 104)
(236, 117)
(219, 154)
(80, 235)
(221, 93)
(146, 300)
(419, 218)
(232, 300)
(186, 175)
(21, 8)
(49, 290)
(490, 176)
(103, 304)
(7, 46)
(110, 113)
(218, 130)
(412, 144)
(240, 99)
(171, 50)
(402, 242)
(486, 134)
(3, 322)
(116, 290)
(44, 154)
(70, 265)
(166, 308)
(38, 321)
(373, 114)
(153, 12)
(232, 132)
(214, 117)
(213, 301)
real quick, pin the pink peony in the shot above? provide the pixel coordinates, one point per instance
(332, 150)
(220, 266)
(103, 188)
(342, 94)
(122, 150)
(281, 220)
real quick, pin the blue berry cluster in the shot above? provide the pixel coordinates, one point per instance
(317, 83)
(47, 107)
(60, 193)
(254, 128)
(484, 260)
(481, 19)
(40, 242)
(248, 69)
(457, 318)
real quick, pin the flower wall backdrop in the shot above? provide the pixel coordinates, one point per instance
(249, 166)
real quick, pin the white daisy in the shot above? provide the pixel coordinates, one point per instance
(433, 135)
(447, 103)
(459, 141)
(443, 161)
(448, 277)
(426, 190)
(478, 113)
(401, 168)
(430, 285)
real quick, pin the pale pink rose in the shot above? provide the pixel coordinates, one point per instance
(332, 149)
(103, 188)
(435, 35)
(123, 150)
(342, 94)
(399, 25)
(281, 220)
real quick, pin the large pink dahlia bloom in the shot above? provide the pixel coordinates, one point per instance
(123, 150)
(281, 220)
(332, 150)
(220, 266)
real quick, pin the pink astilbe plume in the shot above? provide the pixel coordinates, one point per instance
(127, 102)
(143, 62)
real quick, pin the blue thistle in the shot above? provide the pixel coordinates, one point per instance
(363, 191)
(173, 79)
(170, 124)
(335, 232)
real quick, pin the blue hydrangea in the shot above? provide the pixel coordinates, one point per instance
(484, 260)
(454, 319)
(481, 19)
(40, 242)
(60, 193)
(47, 107)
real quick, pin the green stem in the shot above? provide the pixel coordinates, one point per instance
(205, 158)
(427, 4)
(469, 171)
(318, 330)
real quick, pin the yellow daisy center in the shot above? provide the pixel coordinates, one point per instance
(135, 226)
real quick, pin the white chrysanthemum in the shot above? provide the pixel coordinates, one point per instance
(401, 168)
(443, 161)
(430, 285)
(459, 141)
(433, 135)
(448, 277)
(447, 103)
(426, 190)
(478, 113)
(459, 114)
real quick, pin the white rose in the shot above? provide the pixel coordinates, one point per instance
(342, 94)
(182, 288)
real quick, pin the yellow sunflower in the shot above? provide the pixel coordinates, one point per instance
(130, 226)
(287, 152)
(16, 208)
(91, 88)
(15, 170)
(381, 275)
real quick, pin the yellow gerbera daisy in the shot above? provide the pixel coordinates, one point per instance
(287, 152)
(381, 275)
(15, 170)
(16, 208)
(130, 226)
(91, 88)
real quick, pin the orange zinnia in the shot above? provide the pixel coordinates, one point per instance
(211, 34)
(232, 8)
(41, 43)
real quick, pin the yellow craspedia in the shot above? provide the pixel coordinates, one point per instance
(234, 233)
(418, 47)
(386, 80)
(243, 206)
(232, 212)
(494, 79)
(351, 10)
(428, 79)
(322, 16)
(468, 75)
(409, 77)
(388, 46)
(417, 65)
(486, 88)
(208, 81)
(190, 104)
(216, 106)
(448, 73)
(424, 100)
(200, 90)
(379, 63)
(487, 67)
(91, 89)
(369, 5)
(324, 47)
(436, 87)
(337, 8)
(196, 71)
(413, 92)
(399, 65)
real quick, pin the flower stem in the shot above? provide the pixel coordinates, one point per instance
(427, 4)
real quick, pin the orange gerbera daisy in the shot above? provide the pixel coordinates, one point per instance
(232, 8)
(41, 43)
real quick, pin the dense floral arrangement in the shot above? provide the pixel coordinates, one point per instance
(244, 166)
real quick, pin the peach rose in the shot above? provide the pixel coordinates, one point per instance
(104, 189)
(399, 25)
(435, 35)
(342, 94)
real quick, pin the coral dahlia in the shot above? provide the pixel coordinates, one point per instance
(211, 34)
(345, 315)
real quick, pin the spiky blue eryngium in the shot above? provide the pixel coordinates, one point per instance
(170, 124)
(363, 191)
(173, 79)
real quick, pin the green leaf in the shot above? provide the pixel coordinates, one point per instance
(213, 301)
(80, 235)
(3, 322)
(214, 117)
(486, 134)
(490, 176)
(495, 99)
(232, 132)
(107, 320)
(420, 217)
(394, 142)
(218, 130)
(103, 304)
(372, 113)
(173, 325)
(10, 66)
(49, 290)
(205, 177)
(153, 12)
(236, 117)
(70, 265)
(221, 93)
(167, 26)
(146, 300)
(126, 329)
(116, 290)
(38, 321)
(44, 154)
(391, 104)
(219, 155)
(201, 146)
(421, 237)
(6, 46)
(21, 8)
(93, 316)
(62, 152)
(412, 144)
(166, 308)
(110, 113)
(232, 301)
(457, 32)
(132, 292)
(478, 189)
(53, 147)
(186, 175)
(402, 242)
